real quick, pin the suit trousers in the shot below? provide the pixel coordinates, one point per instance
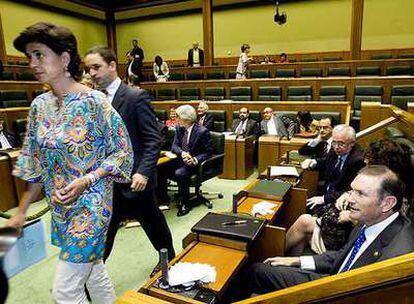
(182, 175)
(142, 207)
(266, 278)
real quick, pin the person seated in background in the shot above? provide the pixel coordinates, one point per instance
(321, 145)
(283, 58)
(160, 69)
(204, 119)
(306, 122)
(244, 61)
(172, 122)
(7, 140)
(243, 125)
(266, 60)
(133, 81)
(375, 203)
(192, 144)
(272, 124)
(195, 56)
(337, 169)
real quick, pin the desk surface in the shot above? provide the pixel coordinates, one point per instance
(245, 205)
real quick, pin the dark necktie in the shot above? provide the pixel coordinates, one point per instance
(184, 142)
(357, 246)
(336, 172)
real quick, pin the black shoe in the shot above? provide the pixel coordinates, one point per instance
(183, 210)
(156, 269)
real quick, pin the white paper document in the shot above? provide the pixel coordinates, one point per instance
(188, 273)
(263, 208)
(283, 170)
(29, 249)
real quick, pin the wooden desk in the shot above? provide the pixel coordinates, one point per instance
(229, 167)
(246, 204)
(133, 297)
(238, 159)
(8, 198)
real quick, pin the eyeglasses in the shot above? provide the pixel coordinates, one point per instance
(340, 144)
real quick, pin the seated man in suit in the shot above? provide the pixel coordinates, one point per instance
(204, 119)
(272, 124)
(382, 233)
(320, 146)
(192, 144)
(338, 169)
(243, 125)
(7, 140)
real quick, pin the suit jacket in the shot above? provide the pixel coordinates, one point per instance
(199, 144)
(317, 151)
(190, 60)
(135, 68)
(14, 143)
(342, 182)
(139, 118)
(396, 239)
(280, 127)
(208, 121)
(251, 127)
(138, 54)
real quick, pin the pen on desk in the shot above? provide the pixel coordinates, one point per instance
(234, 223)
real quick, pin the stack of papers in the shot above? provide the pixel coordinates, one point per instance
(263, 208)
(188, 273)
(283, 170)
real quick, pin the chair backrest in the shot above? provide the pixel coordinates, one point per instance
(241, 93)
(336, 116)
(255, 115)
(343, 71)
(405, 56)
(15, 103)
(232, 75)
(285, 73)
(176, 76)
(194, 76)
(366, 93)
(13, 95)
(217, 141)
(332, 93)
(215, 75)
(299, 93)
(7, 75)
(381, 56)
(259, 74)
(332, 59)
(368, 71)
(189, 94)
(309, 59)
(311, 72)
(398, 70)
(161, 115)
(20, 128)
(401, 95)
(219, 120)
(269, 94)
(166, 94)
(27, 76)
(214, 93)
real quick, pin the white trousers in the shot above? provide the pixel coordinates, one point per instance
(70, 280)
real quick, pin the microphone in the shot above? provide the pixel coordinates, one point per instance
(164, 268)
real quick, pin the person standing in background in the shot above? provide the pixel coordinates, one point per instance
(244, 62)
(138, 57)
(195, 56)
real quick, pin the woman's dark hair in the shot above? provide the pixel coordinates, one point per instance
(244, 47)
(58, 38)
(158, 60)
(396, 156)
(305, 119)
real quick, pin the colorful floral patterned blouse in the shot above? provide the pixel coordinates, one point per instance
(62, 145)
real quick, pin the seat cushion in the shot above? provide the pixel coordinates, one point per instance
(13, 95)
(398, 70)
(215, 75)
(332, 90)
(299, 90)
(285, 73)
(368, 71)
(369, 90)
(311, 72)
(344, 71)
(259, 74)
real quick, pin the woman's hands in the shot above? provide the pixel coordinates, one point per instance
(71, 192)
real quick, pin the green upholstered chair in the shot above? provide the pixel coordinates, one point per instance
(309, 59)
(7, 75)
(398, 70)
(332, 93)
(232, 75)
(311, 72)
(219, 120)
(255, 115)
(364, 93)
(208, 169)
(187, 94)
(214, 93)
(215, 75)
(405, 56)
(337, 58)
(368, 71)
(241, 93)
(342, 71)
(20, 128)
(381, 56)
(166, 94)
(393, 133)
(401, 95)
(269, 94)
(161, 115)
(194, 76)
(27, 76)
(299, 93)
(176, 77)
(13, 95)
(14, 103)
(285, 73)
(259, 74)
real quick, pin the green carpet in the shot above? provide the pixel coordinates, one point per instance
(132, 258)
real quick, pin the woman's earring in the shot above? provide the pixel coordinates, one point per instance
(67, 74)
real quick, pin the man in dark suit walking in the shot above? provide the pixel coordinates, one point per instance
(135, 200)
(339, 167)
(382, 233)
(243, 125)
(195, 56)
(7, 140)
(192, 144)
